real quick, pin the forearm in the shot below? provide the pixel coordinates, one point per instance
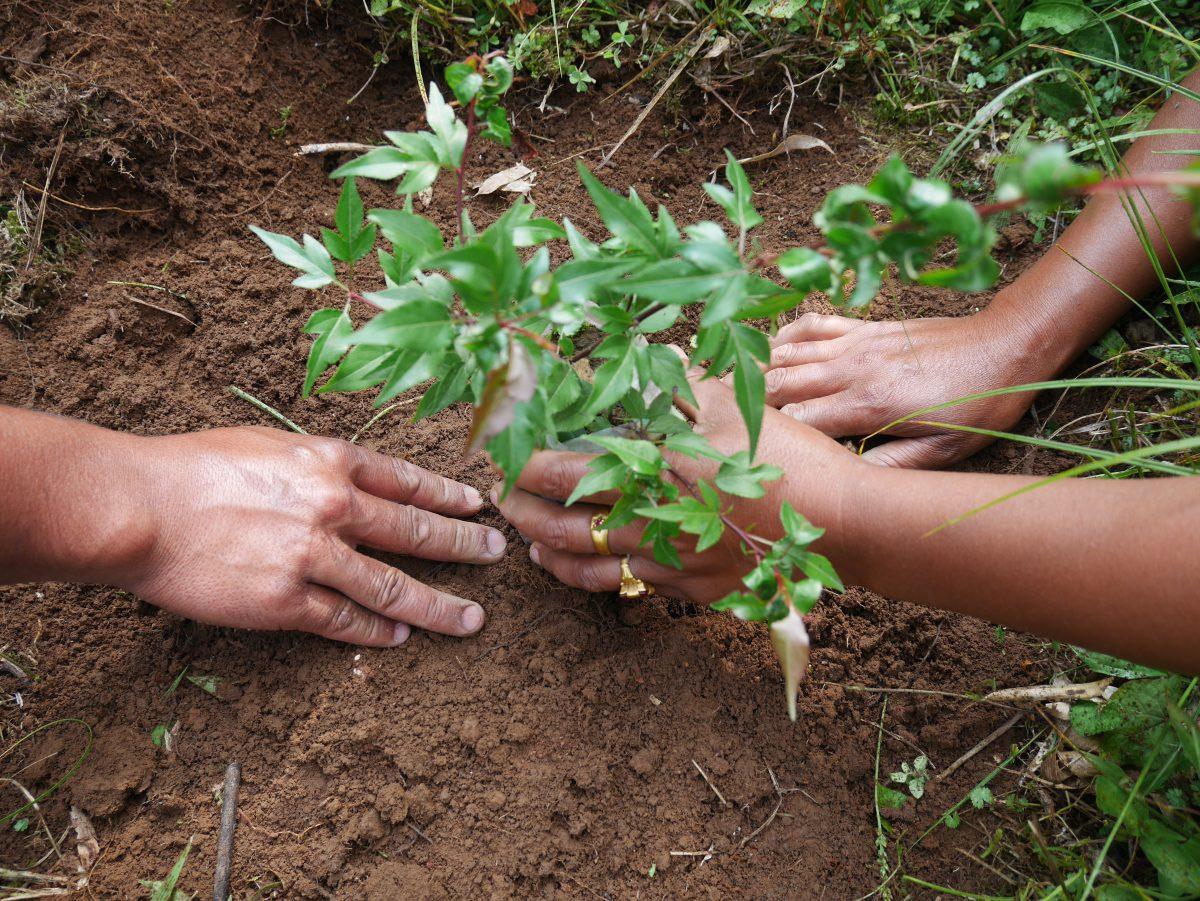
(1079, 287)
(1110, 565)
(68, 500)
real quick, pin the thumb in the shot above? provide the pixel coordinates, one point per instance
(926, 452)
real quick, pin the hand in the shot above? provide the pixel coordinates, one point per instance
(850, 377)
(816, 469)
(257, 528)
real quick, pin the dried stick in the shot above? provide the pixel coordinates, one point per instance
(229, 803)
(1008, 724)
(335, 147)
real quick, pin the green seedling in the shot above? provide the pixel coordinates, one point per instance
(914, 777)
(485, 317)
(165, 889)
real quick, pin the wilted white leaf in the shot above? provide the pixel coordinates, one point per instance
(791, 644)
(516, 179)
(87, 849)
(787, 145)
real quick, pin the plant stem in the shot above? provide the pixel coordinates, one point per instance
(752, 542)
(460, 172)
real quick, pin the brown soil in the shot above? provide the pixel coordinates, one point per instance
(552, 754)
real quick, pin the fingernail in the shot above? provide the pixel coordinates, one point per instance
(495, 543)
(473, 497)
(535, 555)
(494, 494)
(472, 617)
(401, 633)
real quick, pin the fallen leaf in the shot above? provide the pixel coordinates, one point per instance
(86, 847)
(425, 197)
(516, 179)
(787, 145)
(719, 46)
(507, 385)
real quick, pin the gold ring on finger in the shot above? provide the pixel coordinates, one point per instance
(632, 588)
(600, 535)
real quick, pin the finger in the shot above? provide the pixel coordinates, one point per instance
(815, 327)
(801, 352)
(554, 475)
(406, 529)
(926, 452)
(831, 415)
(562, 528)
(797, 383)
(333, 615)
(596, 574)
(396, 595)
(394, 479)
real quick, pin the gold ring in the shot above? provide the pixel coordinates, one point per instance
(600, 535)
(633, 588)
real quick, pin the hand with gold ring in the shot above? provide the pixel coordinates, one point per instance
(572, 543)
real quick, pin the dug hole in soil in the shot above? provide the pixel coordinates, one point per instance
(557, 752)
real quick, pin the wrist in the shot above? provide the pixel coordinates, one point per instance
(108, 532)
(1025, 342)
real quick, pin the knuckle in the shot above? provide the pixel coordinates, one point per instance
(407, 476)
(393, 592)
(337, 618)
(560, 479)
(418, 528)
(556, 532)
(591, 576)
(332, 501)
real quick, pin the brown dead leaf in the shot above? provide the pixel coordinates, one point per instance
(787, 145)
(516, 179)
(719, 46)
(507, 385)
(87, 849)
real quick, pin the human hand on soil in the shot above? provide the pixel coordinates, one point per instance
(816, 469)
(258, 528)
(849, 377)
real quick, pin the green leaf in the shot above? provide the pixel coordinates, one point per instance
(749, 385)
(805, 269)
(692, 445)
(605, 473)
(407, 369)
(980, 797)
(629, 222)
(743, 606)
(419, 238)
(1175, 857)
(796, 527)
(1188, 733)
(613, 378)
(333, 329)
(312, 259)
(738, 475)
(512, 448)
(348, 217)
(675, 282)
(448, 389)
(1063, 16)
(639, 456)
(464, 81)
(737, 203)
(419, 325)
(888, 798)
(667, 372)
(1108, 665)
(364, 367)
